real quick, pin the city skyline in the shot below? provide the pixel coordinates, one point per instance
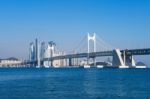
(123, 24)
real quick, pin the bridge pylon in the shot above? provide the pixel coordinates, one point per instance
(91, 38)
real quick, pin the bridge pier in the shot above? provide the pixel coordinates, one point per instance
(74, 61)
(88, 60)
(35, 63)
(130, 61)
(117, 58)
(42, 63)
(70, 62)
(94, 61)
(51, 62)
(122, 60)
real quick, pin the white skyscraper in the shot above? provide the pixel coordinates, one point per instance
(32, 52)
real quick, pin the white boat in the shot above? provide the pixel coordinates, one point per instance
(87, 66)
(100, 66)
(140, 67)
(123, 66)
(46, 66)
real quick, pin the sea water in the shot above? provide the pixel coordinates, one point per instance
(74, 83)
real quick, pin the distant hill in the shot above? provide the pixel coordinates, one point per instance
(11, 58)
(140, 64)
(100, 63)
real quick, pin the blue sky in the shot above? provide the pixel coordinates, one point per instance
(122, 23)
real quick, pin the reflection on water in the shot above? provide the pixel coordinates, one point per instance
(74, 83)
(90, 83)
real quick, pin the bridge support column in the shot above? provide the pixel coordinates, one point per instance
(122, 60)
(133, 61)
(130, 61)
(42, 63)
(117, 58)
(35, 63)
(70, 62)
(94, 61)
(51, 62)
(88, 60)
(77, 62)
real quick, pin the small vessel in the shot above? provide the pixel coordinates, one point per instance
(87, 66)
(100, 66)
(140, 67)
(46, 66)
(123, 67)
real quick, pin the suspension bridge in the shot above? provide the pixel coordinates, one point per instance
(90, 50)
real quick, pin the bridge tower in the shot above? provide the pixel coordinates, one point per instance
(91, 38)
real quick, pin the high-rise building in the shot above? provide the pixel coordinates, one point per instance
(52, 46)
(36, 49)
(43, 50)
(32, 52)
(39, 53)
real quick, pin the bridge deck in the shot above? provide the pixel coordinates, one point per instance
(138, 52)
(100, 54)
